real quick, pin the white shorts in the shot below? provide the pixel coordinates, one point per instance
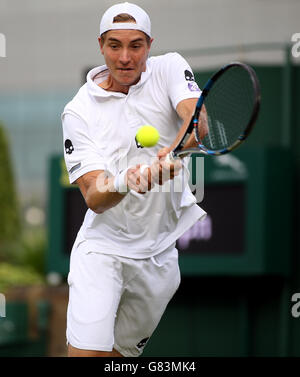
(117, 302)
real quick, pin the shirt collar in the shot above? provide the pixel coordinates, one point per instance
(97, 91)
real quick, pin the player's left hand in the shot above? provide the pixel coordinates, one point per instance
(139, 179)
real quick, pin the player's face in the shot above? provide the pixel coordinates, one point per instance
(125, 53)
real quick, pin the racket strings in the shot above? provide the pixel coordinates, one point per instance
(229, 105)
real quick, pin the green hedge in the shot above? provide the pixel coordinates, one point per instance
(18, 276)
(10, 226)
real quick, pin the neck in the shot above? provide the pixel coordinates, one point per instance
(110, 86)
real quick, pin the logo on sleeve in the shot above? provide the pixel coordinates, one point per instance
(69, 146)
(77, 166)
(142, 343)
(193, 87)
(189, 76)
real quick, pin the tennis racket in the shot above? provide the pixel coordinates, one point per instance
(230, 102)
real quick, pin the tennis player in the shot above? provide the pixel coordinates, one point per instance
(124, 264)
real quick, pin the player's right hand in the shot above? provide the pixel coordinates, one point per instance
(139, 179)
(162, 170)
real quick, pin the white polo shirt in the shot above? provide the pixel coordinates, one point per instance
(99, 129)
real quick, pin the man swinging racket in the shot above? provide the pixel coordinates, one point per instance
(124, 264)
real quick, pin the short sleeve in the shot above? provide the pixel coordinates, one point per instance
(180, 80)
(80, 152)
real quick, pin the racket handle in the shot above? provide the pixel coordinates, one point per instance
(170, 158)
(143, 168)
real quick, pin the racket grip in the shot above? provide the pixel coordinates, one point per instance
(143, 168)
(170, 158)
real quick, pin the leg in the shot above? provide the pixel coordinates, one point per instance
(144, 300)
(76, 352)
(94, 297)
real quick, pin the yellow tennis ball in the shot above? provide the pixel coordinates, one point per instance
(147, 136)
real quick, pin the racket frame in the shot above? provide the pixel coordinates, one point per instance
(178, 151)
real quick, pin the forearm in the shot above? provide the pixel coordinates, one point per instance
(202, 129)
(101, 194)
(191, 142)
(185, 110)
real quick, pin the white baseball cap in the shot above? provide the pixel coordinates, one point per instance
(142, 19)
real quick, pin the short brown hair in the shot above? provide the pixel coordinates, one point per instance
(124, 17)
